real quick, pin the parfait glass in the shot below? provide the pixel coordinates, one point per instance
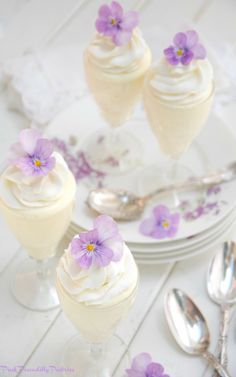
(39, 232)
(178, 95)
(112, 149)
(95, 350)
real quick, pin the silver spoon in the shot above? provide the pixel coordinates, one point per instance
(189, 328)
(221, 286)
(123, 205)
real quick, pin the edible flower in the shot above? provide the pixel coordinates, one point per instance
(143, 366)
(161, 224)
(113, 22)
(185, 48)
(99, 246)
(32, 154)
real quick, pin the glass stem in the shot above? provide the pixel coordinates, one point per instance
(42, 269)
(173, 173)
(96, 350)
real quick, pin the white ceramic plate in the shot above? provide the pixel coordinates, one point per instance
(83, 117)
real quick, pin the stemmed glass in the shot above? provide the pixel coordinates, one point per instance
(176, 108)
(115, 65)
(37, 200)
(97, 283)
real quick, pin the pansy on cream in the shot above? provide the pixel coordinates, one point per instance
(185, 48)
(161, 224)
(100, 246)
(114, 23)
(143, 366)
(33, 153)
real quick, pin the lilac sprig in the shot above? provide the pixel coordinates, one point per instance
(32, 154)
(161, 224)
(185, 48)
(100, 246)
(143, 366)
(114, 23)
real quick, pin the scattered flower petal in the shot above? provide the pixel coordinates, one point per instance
(143, 366)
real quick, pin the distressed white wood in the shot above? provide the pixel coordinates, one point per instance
(36, 339)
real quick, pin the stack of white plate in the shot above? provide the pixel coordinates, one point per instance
(214, 149)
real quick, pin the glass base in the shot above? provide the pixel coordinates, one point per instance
(157, 176)
(94, 360)
(33, 285)
(113, 151)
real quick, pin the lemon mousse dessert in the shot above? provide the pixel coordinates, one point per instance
(37, 196)
(97, 280)
(178, 94)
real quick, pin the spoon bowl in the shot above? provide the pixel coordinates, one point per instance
(186, 323)
(221, 277)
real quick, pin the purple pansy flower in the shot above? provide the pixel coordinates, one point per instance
(33, 154)
(185, 49)
(143, 366)
(98, 246)
(161, 224)
(114, 23)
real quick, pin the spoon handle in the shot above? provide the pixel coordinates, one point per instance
(212, 360)
(223, 338)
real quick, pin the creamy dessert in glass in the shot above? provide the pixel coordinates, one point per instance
(178, 94)
(97, 282)
(37, 196)
(115, 64)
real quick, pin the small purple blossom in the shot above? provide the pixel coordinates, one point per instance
(143, 366)
(100, 246)
(32, 154)
(213, 190)
(161, 224)
(114, 23)
(185, 48)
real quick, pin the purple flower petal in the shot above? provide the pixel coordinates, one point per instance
(26, 165)
(89, 237)
(76, 245)
(159, 233)
(101, 26)
(103, 256)
(180, 40)
(154, 370)
(43, 149)
(161, 212)
(116, 243)
(192, 38)
(122, 37)
(199, 51)
(85, 260)
(106, 227)
(116, 10)
(141, 362)
(147, 226)
(28, 139)
(104, 11)
(187, 57)
(48, 165)
(130, 21)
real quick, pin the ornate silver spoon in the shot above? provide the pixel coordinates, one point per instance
(123, 205)
(189, 328)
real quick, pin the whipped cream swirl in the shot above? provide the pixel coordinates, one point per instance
(112, 59)
(182, 84)
(19, 191)
(95, 285)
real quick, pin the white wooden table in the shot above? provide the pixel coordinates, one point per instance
(33, 339)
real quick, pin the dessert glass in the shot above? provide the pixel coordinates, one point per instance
(115, 72)
(97, 312)
(178, 96)
(38, 210)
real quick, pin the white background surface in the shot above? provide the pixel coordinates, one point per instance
(36, 339)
